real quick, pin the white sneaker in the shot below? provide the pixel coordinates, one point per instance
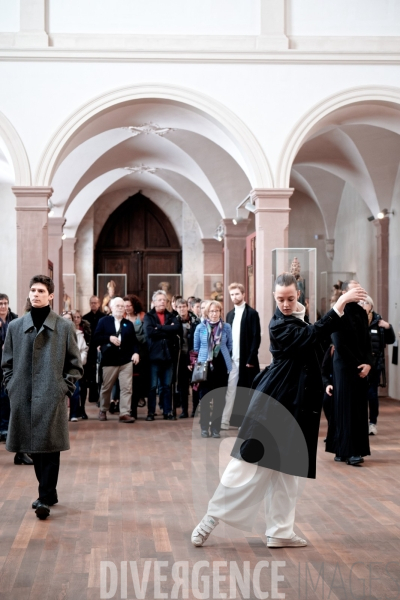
(294, 542)
(373, 430)
(73, 420)
(201, 532)
(224, 425)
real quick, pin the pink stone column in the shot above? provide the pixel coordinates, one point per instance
(32, 237)
(213, 262)
(272, 228)
(382, 239)
(55, 227)
(69, 255)
(234, 257)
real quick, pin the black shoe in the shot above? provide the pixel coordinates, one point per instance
(355, 460)
(169, 417)
(116, 409)
(183, 415)
(150, 418)
(215, 434)
(21, 458)
(84, 416)
(3, 437)
(192, 414)
(42, 511)
(112, 408)
(340, 459)
(204, 433)
(141, 402)
(51, 501)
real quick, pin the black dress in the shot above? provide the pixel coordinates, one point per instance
(280, 429)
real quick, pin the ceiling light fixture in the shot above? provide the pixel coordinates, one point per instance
(384, 213)
(149, 128)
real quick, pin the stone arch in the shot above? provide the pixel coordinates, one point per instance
(309, 122)
(258, 168)
(17, 152)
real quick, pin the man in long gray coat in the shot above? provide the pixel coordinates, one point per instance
(41, 363)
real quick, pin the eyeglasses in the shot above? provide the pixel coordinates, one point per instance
(214, 311)
(66, 312)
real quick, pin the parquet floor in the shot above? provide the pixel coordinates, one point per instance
(133, 493)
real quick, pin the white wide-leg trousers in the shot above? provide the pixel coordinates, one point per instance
(244, 486)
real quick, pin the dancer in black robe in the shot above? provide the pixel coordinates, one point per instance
(277, 441)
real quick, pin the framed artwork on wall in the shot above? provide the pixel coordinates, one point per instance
(171, 283)
(110, 285)
(69, 291)
(214, 287)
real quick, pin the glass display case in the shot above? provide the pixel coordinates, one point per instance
(302, 263)
(329, 284)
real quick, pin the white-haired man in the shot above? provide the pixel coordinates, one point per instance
(119, 348)
(162, 331)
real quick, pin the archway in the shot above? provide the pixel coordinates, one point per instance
(138, 239)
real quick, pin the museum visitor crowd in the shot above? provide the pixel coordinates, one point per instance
(132, 357)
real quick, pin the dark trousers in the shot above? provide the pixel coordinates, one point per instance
(91, 383)
(217, 381)
(74, 402)
(47, 466)
(373, 398)
(4, 410)
(184, 377)
(161, 375)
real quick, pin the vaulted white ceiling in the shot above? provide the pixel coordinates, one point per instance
(182, 153)
(358, 145)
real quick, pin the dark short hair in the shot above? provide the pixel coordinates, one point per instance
(4, 297)
(136, 303)
(345, 284)
(47, 281)
(286, 279)
(176, 298)
(195, 301)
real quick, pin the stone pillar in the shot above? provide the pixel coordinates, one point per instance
(213, 264)
(234, 257)
(69, 255)
(55, 228)
(32, 237)
(382, 238)
(32, 33)
(272, 231)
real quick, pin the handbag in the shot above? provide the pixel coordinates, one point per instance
(200, 372)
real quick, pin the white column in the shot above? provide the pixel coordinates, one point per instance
(273, 25)
(32, 33)
(272, 227)
(55, 231)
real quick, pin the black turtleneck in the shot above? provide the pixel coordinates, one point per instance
(39, 315)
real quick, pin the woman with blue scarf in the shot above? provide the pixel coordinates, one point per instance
(213, 342)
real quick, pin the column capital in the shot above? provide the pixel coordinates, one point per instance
(271, 199)
(55, 225)
(232, 230)
(212, 245)
(32, 197)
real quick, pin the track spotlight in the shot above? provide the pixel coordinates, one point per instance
(384, 213)
(371, 218)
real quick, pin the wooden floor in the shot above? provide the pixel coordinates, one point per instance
(126, 495)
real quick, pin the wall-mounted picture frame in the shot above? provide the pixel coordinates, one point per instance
(69, 291)
(214, 287)
(110, 285)
(171, 283)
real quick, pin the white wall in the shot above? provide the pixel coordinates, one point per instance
(9, 15)
(8, 244)
(355, 240)
(185, 17)
(394, 288)
(343, 17)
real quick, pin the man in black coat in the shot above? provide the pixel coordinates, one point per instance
(119, 349)
(162, 330)
(348, 435)
(93, 317)
(246, 335)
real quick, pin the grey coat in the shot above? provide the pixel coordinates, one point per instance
(39, 370)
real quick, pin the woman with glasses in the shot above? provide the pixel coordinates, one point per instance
(213, 342)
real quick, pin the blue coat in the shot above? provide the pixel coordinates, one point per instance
(200, 344)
